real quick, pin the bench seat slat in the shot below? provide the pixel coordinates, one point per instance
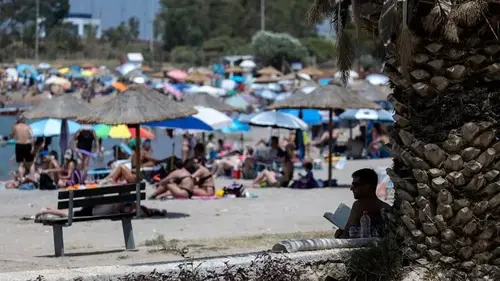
(61, 221)
(94, 201)
(100, 191)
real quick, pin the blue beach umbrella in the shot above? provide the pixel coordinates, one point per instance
(382, 116)
(27, 70)
(187, 123)
(52, 127)
(310, 116)
(238, 79)
(236, 127)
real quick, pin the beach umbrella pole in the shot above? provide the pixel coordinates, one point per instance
(330, 145)
(138, 169)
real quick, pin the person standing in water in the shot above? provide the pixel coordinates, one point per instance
(24, 149)
(85, 142)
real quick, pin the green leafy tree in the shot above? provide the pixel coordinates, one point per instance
(15, 13)
(190, 22)
(133, 28)
(322, 49)
(184, 54)
(277, 48)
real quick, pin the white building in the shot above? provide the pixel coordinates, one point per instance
(82, 22)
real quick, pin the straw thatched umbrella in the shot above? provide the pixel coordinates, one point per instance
(204, 99)
(197, 77)
(371, 92)
(62, 107)
(134, 106)
(330, 97)
(269, 70)
(235, 69)
(312, 71)
(266, 79)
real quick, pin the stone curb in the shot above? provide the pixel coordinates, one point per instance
(215, 264)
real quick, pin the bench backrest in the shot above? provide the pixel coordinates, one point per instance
(101, 196)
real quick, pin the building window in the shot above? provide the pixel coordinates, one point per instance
(86, 29)
(74, 29)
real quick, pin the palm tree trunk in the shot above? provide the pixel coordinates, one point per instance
(445, 73)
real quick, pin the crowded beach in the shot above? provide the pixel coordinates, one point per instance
(356, 133)
(216, 137)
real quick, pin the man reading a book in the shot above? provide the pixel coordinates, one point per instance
(364, 186)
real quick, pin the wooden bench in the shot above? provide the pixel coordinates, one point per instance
(88, 198)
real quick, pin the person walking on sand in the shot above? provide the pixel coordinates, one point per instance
(24, 149)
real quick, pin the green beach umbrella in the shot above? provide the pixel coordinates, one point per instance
(102, 131)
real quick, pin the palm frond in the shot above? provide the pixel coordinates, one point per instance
(345, 47)
(387, 23)
(437, 16)
(470, 13)
(320, 10)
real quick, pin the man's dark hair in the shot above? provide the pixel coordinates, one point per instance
(367, 176)
(308, 166)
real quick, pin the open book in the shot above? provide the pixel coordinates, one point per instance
(340, 217)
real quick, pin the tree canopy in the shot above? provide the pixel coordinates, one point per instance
(191, 22)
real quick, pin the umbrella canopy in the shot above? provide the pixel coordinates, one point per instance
(266, 79)
(186, 123)
(103, 131)
(207, 119)
(236, 127)
(55, 80)
(196, 77)
(248, 64)
(62, 107)
(206, 100)
(52, 127)
(269, 70)
(328, 97)
(235, 69)
(211, 90)
(212, 117)
(310, 116)
(367, 114)
(137, 105)
(173, 90)
(312, 71)
(377, 79)
(371, 92)
(177, 74)
(276, 119)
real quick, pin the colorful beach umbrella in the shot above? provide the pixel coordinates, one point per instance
(120, 132)
(177, 74)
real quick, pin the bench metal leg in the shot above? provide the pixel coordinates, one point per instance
(128, 234)
(58, 240)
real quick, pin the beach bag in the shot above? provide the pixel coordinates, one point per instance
(234, 189)
(46, 182)
(76, 178)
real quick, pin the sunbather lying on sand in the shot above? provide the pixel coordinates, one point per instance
(101, 210)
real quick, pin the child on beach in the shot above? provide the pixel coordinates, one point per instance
(307, 180)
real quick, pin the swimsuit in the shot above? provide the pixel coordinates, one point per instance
(23, 153)
(202, 180)
(178, 182)
(85, 140)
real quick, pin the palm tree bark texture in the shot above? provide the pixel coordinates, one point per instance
(444, 66)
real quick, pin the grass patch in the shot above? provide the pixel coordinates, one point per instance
(161, 245)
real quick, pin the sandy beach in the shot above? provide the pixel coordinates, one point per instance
(206, 228)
